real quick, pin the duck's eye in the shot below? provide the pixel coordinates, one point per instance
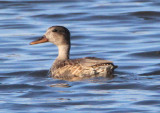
(54, 30)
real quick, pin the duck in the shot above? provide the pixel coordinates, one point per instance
(65, 68)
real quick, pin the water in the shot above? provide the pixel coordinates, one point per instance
(126, 32)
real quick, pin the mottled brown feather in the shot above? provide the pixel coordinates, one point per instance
(81, 67)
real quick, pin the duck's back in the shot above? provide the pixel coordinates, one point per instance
(83, 67)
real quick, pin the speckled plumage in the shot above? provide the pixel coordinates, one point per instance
(83, 67)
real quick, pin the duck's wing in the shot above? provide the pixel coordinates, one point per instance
(93, 61)
(84, 62)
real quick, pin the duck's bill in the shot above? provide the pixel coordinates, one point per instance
(41, 40)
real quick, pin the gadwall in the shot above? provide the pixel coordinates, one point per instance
(63, 67)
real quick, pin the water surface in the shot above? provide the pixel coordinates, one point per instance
(126, 32)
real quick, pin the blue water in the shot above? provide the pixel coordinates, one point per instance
(126, 32)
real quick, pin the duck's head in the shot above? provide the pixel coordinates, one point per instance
(57, 35)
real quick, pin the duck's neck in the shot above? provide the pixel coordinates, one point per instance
(63, 52)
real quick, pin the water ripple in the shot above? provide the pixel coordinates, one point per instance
(125, 32)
